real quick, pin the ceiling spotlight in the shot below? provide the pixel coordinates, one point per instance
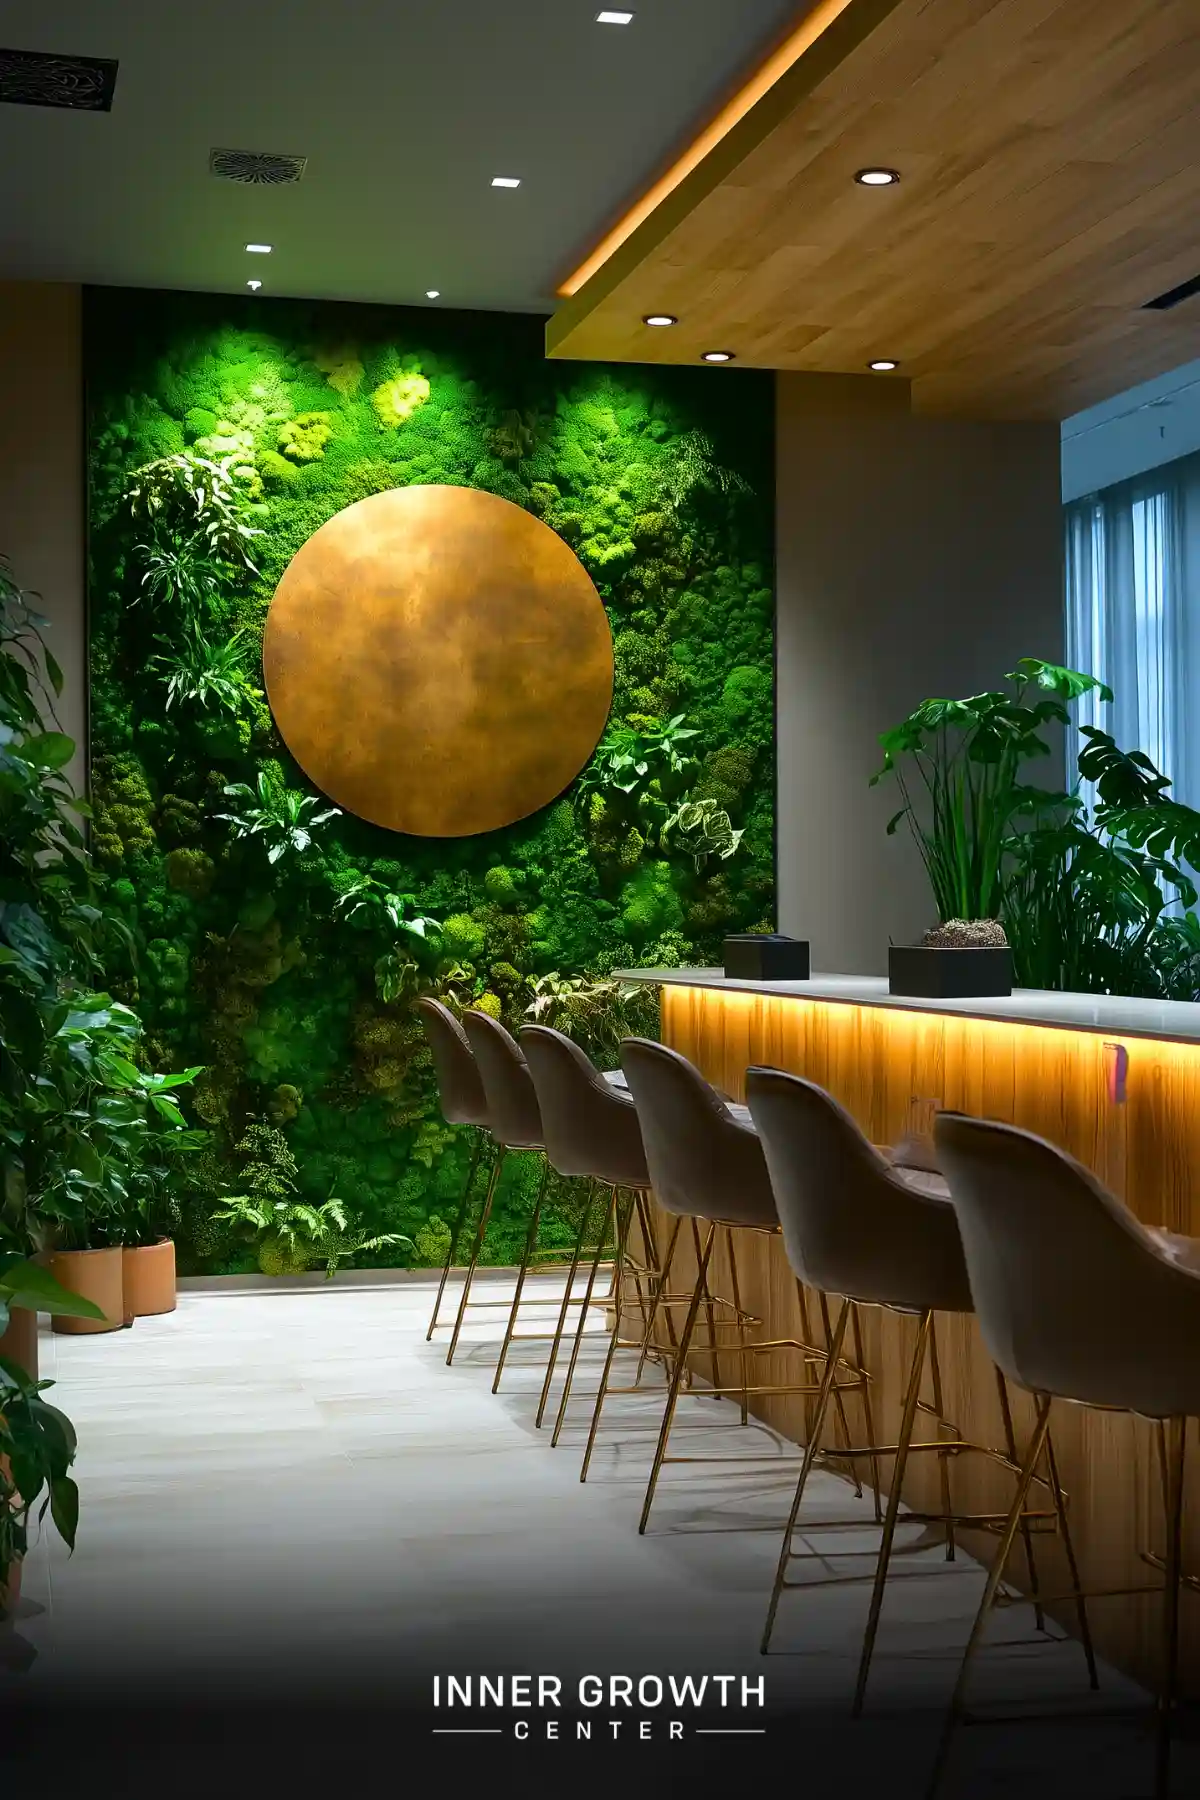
(883, 365)
(660, 319)
(877, 177)
(506, 181)
(432, 293)
(254, 286)
(260, 249)
(718, 356)
(614, 18)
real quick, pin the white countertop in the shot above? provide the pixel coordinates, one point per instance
(1113, 1015)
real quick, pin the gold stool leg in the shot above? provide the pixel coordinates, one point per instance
(648, 1258)
(621, 1222)
(477, 1246)
(935, 1371)
(661, 1287)
(908, 1417)
(1060, 1508)
(741, 1329)
(580, 1238)
(810, 1400)
(835, 1341)
(868, 1410)
(456, 1234)
(677, 1375)
(841, 1423)
(597, 1259)
(1175, 1449)
(710, 1310)
(992, 1587)
(1010, 1445)
(530, 1246)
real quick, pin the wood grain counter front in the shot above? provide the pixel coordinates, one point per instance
(1103, 1077)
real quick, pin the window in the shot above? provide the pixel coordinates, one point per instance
(1133, 615)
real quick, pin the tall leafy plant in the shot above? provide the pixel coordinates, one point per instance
(959, 767)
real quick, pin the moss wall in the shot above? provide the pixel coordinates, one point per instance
(661, 480)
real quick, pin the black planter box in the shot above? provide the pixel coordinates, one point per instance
(929, 973)
(759, 956)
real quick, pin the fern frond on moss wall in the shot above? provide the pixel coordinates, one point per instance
(662, 482)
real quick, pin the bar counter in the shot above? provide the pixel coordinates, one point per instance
(1116, 1082)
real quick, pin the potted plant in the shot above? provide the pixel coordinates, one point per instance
(959, 766)
(154, 1141)
(27, 1289)
(37, 1448)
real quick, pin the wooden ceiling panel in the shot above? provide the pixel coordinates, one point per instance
(1050, 160)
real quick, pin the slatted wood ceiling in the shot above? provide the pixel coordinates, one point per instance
(1050, 155)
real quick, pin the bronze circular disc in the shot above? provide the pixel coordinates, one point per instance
(438, 661)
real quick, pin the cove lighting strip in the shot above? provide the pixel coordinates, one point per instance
(776, 65)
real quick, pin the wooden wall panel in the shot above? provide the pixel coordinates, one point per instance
(876, 1061)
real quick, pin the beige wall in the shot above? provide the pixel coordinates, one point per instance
(41, 472)
(915, 557)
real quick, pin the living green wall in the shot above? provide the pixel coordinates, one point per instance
(662, 482)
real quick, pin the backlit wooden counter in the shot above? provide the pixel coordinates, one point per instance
(1117, 1083)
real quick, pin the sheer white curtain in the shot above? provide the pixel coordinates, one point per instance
(1133, 615)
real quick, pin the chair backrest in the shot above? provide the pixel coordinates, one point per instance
(702, 1161)
(591, 1129)
(853, 1223)
(512, 1106)
(460, 1090)
(1075, 1296)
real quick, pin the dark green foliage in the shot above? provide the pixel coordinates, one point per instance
(293, 981)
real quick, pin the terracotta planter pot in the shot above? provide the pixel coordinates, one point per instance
(10, 1591)
(96, 1275)
(20, 1342)
(149, 1279)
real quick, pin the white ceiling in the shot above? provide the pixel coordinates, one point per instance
(405, 110)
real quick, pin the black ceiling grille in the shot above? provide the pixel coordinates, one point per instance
(41, 78)
(258, 168)
(1173, 296)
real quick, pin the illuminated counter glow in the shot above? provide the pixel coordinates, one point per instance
(1116, 1082)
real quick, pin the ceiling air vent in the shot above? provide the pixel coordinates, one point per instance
(41, 78)
(1173, 296)
(258, 168)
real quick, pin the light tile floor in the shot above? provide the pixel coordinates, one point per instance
(290, 1505)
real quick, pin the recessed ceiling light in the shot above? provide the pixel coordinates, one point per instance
(614, 18)
(883, 365)
(660, 319)
(432, 293)
(506, 181)
(260, 249)
(254, 286)
(877, 177)
(718, 356)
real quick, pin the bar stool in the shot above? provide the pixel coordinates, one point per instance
(515, 1122)
(591, 1129)
(461, 1097)
(706, 1165)
(1053, 1257)
(856, 1225)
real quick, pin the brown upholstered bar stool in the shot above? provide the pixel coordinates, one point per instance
(1053, 1257)
(857, 1226)
(461, 1097)
(706, 1166)
(515, 1122)
(591, 1129)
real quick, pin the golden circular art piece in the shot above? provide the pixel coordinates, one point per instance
(438, 661)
